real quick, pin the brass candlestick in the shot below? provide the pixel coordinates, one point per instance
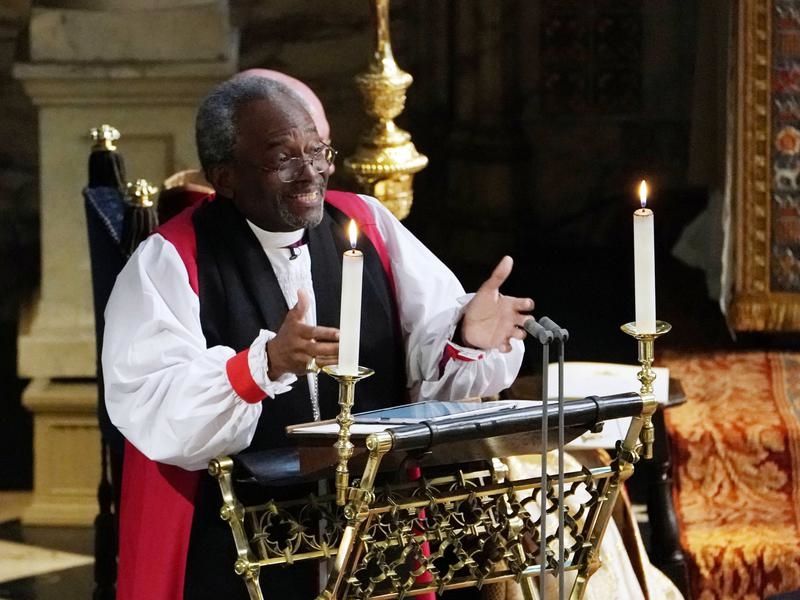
(646, 343)
(343, 445)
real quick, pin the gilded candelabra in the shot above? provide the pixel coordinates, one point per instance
(385, 160)
(646, 345)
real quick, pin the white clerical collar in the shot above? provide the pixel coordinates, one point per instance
(276, 239)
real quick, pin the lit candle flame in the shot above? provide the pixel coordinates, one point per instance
(643, 193)
(352, 231)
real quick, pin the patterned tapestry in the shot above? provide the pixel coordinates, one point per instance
(785, 259)
(736, 454)
(762, 287)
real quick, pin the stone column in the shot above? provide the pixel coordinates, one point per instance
(142, 69)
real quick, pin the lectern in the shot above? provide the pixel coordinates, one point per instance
(460, 523)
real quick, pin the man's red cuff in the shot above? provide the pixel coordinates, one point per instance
(241, 380)
(452, 353)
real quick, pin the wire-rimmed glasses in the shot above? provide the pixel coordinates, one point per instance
(290, 169)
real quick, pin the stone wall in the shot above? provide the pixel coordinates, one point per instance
(18, 170)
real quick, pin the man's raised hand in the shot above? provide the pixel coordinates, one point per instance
(296, 343)
(491, 319)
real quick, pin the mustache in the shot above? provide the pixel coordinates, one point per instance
(306, 189)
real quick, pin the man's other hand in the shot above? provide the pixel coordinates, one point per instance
(491, 319)
(296, 343)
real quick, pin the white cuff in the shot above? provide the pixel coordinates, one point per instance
(259, 367)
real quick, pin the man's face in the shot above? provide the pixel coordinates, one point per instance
(267, 135)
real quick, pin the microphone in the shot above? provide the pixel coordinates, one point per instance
(550, 325)
(537, 331)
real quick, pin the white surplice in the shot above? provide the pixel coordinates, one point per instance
(169, 394)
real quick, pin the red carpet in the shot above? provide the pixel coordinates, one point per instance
(736, 451)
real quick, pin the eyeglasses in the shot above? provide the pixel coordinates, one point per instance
(290, 169)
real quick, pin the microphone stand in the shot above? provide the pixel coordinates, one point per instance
(561, 335)
(544, 337)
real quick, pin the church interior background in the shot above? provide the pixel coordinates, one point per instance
(539, 118)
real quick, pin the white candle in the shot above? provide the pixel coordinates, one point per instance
(644, 265)
(350, 315)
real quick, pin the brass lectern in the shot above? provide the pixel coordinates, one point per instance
(460, 523)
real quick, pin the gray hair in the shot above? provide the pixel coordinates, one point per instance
(215, 126)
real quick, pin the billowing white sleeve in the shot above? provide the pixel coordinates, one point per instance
(430, 301)
(168, 393)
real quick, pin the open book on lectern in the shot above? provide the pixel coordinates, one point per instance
(461, 431)
(581, 380)
(407, 414)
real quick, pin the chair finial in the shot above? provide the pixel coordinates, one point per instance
(104, 137)
(140, 193)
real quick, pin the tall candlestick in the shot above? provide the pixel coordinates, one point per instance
(350, 315)
(644, 265)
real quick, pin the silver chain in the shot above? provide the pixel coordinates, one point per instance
(313, 387)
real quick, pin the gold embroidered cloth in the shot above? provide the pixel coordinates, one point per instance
(736, 453)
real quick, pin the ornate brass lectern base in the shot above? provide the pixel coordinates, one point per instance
(463, 528)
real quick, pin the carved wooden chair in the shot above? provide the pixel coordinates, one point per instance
(118, 217)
